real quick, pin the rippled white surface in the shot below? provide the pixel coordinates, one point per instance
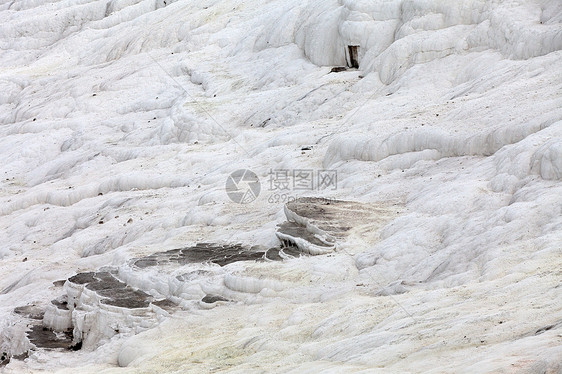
(133, 113)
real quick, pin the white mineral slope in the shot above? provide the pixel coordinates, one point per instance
(120, 121)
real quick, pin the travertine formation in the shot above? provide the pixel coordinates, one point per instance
(98, 305)
(316, 225)
(136, 295)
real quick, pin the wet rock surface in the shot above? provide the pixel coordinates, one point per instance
(330, 216)
(87, 294)
(316, 225)
(59, 283)
(112, 291)
(42, 337)
(30, 311)
(126, 298)
(207, 252)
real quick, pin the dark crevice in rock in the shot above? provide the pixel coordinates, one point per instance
(210, 299)
(548, 327)
(4, 359)
(338, 69)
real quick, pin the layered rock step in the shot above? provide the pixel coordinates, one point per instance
(136, 296)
